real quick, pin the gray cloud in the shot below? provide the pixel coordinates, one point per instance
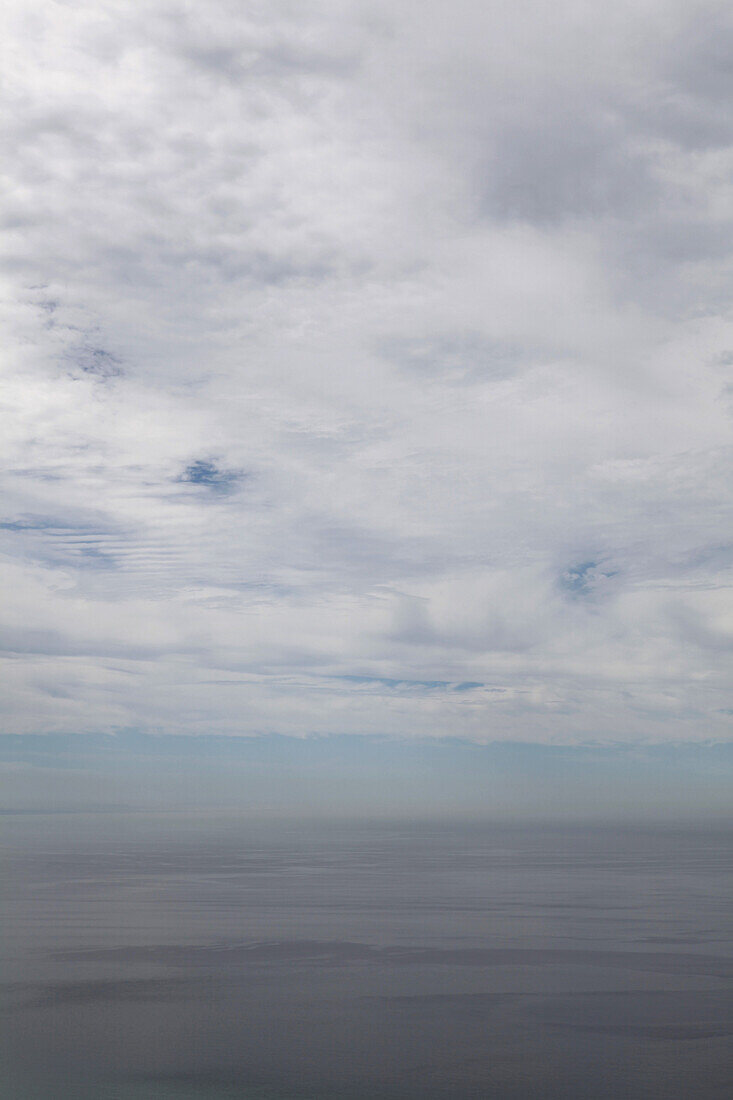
(455, 358)
(568, 162)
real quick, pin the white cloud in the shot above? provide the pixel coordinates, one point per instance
(359, 353)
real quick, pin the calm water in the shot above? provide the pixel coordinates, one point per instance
(173, 958)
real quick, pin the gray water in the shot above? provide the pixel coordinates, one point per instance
(179, 957)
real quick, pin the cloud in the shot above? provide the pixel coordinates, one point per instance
(361, 347)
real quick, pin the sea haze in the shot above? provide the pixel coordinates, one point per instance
(175, 956)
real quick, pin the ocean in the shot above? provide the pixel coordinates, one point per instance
(211, 957)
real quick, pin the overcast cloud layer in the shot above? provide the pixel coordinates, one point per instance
(369, 369)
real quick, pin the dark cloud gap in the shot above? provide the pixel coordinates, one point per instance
(94, 360)
(210, 476)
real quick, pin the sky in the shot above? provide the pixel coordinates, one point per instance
(63, 783)
(368, 370)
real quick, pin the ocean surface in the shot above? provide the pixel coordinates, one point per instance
(204, 957)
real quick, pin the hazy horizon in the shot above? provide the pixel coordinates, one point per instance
(367, 777)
